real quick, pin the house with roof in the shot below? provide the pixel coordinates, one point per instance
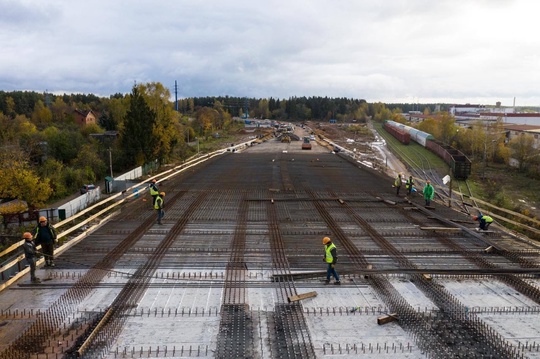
(513, 130)
(85, 117)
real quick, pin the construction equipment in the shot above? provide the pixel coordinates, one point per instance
(306, 145)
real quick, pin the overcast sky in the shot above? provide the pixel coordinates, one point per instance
(460, 51)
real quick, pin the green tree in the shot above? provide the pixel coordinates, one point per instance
(41, 114)
(523, 150)
(60, 110)
(20, 181)
(106, 122)
(64, 144)
(164, 131)
(89, 160)
(137, 137)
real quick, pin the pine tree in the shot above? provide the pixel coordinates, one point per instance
(137, 135)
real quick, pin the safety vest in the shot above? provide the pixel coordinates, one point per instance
(328, 254)
(409, 183)
(488, 219)
(159, 203)
(153, 190)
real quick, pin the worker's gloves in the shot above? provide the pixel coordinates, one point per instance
(333, 266)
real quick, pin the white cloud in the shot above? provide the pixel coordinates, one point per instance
(407, 51)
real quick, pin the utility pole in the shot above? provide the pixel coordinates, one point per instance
(175, 96)
(110, 162)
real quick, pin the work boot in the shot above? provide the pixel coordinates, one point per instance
(51, 264)
(47, 264)
(338, 282)
(327, 281)
(36, 280)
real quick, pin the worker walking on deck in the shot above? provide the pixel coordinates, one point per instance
(397, 183)
(330, 258)
(409, 185)
(158, 206)
(154, 191)
(30, 253)
(484, 220)
(429, 192)
(45, 235)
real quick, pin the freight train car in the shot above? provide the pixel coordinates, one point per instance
(460, 164)
(403, 136)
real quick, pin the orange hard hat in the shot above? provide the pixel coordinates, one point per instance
(326, 240)
(154, 180)
(27, 235)
(475, 218)
(162, 194)
(42, 219)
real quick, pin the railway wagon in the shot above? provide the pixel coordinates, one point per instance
(417, 136)
(460, 164)
(401, 135)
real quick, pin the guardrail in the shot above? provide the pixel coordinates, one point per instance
(13, 268)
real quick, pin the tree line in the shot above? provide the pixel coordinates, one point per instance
(46, 155)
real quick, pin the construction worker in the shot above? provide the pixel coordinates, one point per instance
(45, 234)
(158, 206)
(154, 191)
(409, 185)
(330, 257)
(429, 192)
(30, 253)
(397, 183)
(484, 220)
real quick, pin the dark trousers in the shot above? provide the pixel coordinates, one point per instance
(331, 272)
(48, 250)
(484, 225)
(160, 214)
(32, 263)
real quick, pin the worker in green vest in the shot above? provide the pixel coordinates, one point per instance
(330, 258)
(158, 206)
(484, 220)
(154, 191)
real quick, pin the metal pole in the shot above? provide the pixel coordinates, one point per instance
(110, 162)
(485, 164)
(450, 193)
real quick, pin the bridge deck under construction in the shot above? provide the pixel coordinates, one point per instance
(236, 271)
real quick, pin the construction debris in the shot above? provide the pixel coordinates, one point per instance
(387, 318)
(295, 298)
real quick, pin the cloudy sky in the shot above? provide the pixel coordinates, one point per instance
(462, 51)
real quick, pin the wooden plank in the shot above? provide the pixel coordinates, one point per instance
(387, 319)
(295, 298)
(445, 229)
